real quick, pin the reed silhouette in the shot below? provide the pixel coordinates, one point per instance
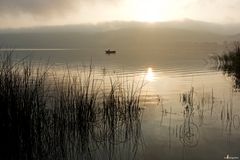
(188, 131)
(229, 63)
(66, 117)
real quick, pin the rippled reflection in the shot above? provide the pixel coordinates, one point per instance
(188, 131)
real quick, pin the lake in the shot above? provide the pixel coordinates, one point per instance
(190, 110)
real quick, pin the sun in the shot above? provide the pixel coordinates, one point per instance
(150, 10)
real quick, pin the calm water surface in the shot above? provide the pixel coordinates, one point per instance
(209, 128)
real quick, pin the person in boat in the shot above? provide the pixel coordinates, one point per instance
(108, 51)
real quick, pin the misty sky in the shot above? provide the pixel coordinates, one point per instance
(23, 13)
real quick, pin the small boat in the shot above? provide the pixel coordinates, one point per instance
(110, 51)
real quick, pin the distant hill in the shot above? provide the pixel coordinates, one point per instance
(118, 34)
(187, 24)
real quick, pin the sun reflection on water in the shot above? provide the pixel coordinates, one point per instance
(150, 74)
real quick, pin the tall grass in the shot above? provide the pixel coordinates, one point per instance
(229, 63)
(23, 101)
(71, 116)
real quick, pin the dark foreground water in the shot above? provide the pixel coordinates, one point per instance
(189, 110)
